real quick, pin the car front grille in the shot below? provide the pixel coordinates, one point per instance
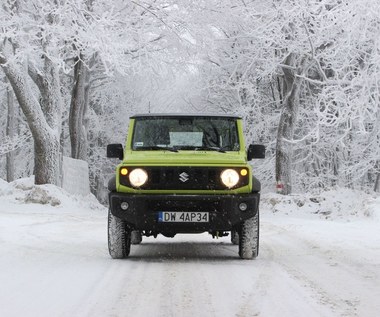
(183, 178)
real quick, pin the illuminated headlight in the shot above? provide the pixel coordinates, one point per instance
(229, 177)
(138, 177)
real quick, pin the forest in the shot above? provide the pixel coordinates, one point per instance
(304, 75)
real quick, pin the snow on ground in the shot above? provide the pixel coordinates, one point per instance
(319, 256)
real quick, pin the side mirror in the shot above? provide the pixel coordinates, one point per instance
(115, 150)
(255, 151)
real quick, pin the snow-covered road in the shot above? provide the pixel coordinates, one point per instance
(54, 262)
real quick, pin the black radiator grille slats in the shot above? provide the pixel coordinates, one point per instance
(183, 178)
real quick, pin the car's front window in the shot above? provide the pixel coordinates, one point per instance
(185, 133)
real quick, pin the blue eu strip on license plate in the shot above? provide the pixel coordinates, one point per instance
(183, 216)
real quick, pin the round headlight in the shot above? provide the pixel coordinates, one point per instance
(138, 177)
(229, 177)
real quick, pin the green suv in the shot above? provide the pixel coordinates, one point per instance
(184, 173)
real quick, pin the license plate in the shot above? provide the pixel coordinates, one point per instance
(181, 216)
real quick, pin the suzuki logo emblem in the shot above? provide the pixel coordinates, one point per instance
(183, 177)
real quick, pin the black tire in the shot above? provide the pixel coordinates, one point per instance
(249, 238)
(136, 237)
(119, 237)
(234, 237)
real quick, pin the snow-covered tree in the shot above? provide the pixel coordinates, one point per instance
(39, 42)
(318, 60)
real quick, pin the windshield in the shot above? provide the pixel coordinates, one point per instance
(185, 133)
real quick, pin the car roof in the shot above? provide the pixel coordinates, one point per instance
(176, 115)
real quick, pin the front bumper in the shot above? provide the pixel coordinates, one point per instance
(143, 210)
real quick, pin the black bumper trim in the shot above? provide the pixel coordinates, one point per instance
(224, 212)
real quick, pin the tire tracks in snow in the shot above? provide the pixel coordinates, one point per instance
(163, 282)
(291, 246)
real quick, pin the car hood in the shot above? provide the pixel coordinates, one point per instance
(184, 158)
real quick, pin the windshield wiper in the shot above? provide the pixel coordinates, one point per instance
(157, 147)
(210, 148)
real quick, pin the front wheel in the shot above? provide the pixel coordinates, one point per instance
(119, 237)
(249, 238)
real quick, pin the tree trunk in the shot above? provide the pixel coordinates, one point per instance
(377, 183)
(10, 157)
(376, 187)
(78, 122)
(44, 117)
(47, 160)
(78, 111)
(291, 90)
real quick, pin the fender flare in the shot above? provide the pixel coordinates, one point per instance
(256, 185)
(112, 184)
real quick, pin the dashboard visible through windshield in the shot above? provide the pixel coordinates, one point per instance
(185, 133)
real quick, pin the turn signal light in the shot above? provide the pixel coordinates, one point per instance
(243, 172)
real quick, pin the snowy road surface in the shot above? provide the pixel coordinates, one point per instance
(55, 263)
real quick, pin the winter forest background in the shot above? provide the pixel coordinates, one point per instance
(304, 75)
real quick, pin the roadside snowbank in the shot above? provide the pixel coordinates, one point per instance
(340, 204)
(24, 192)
